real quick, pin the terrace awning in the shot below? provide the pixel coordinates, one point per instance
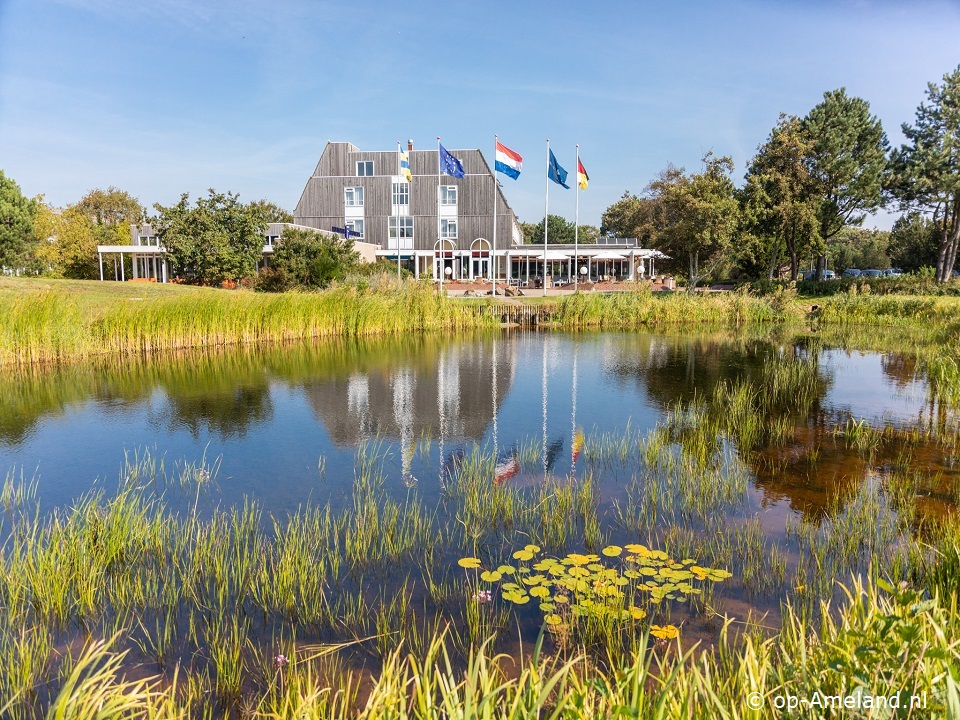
(608, 255)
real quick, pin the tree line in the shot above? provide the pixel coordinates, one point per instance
(214, 240)
(807, 190)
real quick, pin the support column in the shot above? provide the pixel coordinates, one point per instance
(632, 265)
(588, 268)
(416, 266)
(123, 270)
(134, 265)
(100, 262)
(528, 269)
(163, 267)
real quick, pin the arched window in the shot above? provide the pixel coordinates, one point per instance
(480, 248)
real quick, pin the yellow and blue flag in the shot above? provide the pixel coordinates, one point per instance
(404, 165)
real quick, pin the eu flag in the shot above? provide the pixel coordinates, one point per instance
(557, 173)
(451, 165)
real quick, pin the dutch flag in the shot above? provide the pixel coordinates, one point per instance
(508, 161)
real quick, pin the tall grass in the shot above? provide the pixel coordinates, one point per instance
(646, 309)
(54, 326)
(858, 652)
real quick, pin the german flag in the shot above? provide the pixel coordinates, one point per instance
(582, 178)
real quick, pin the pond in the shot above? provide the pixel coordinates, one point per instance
(286, 423)
(336, 491)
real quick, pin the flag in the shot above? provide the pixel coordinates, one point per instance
(582, 178)
(449, 164)
(557, 173)
(508, 161)
(404, 165)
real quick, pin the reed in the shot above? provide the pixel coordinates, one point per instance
(645, 309)
(56, 326)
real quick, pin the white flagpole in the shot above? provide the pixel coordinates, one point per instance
(399, 174)
(546, 221)
(493, 254)
(439, 239)
(576, 229)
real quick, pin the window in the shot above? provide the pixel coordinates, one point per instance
(448, 194)
(448, 229)
(401, 227)
(147, 240)
(353, 196)
(401, 193)
(365, 168)
(272, 240)
(355, 227)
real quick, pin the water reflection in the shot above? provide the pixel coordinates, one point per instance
(423, 391)
(272, 413)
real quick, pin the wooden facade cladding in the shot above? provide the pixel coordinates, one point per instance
(322, 202)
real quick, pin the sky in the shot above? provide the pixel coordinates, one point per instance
(165, 97)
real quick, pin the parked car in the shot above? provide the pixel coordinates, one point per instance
(872, 273)
(812, 275)
(829, 275)
(851, 272)
(893, 272)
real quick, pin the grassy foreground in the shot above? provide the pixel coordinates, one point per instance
(50, 321)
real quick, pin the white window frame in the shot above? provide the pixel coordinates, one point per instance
(395, 226)
(352, 226)
(448, 228)
(446, 193)
(401, 191)
(353, 196)
(365, 164)
(272, 240)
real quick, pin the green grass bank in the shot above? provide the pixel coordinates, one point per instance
(60, 321)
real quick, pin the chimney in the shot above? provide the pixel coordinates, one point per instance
(410, 145)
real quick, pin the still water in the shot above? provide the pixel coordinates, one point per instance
(286, 423)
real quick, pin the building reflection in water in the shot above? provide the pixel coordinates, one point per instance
(450, 395)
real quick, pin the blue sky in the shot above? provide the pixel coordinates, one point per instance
(172, 96)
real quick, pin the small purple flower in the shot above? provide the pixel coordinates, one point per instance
(281, 661)
(483, 596)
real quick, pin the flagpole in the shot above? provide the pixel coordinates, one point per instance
(576, 229)
(439, 240)
(493, 254)
(398, 221)
(546, 220)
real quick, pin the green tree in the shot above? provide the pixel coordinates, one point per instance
(76, 245)
(781, 199)
(529, 231)
(914, 242)
(112, 207)
(218, 239)
(696, 215)
(859, 248)
(588, 234)
(623, 218)
(848, 162)
(927, 170)
(17, 214)
(313, 260)
(272, 212)
(560, 231)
